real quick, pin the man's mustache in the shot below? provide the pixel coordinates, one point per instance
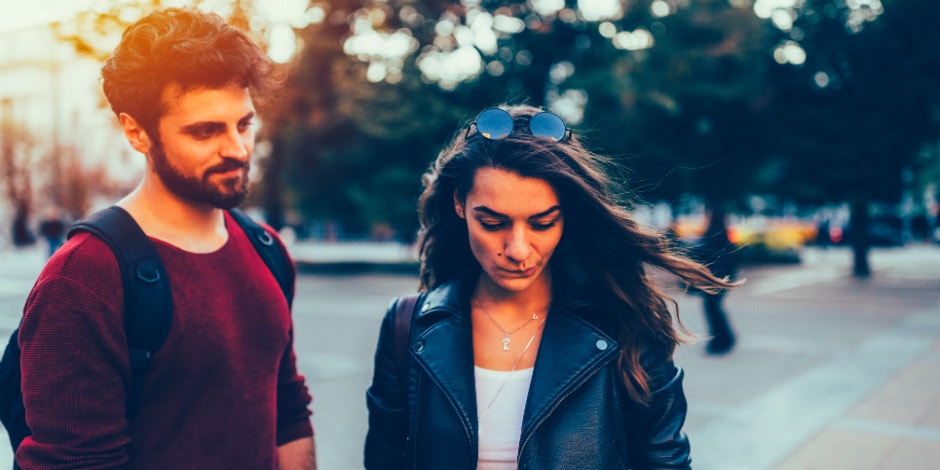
(227, 166)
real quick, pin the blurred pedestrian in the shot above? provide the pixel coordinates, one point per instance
(52, 229)
(223, 391)
(540, 341)
(22, 236)
(716, 251)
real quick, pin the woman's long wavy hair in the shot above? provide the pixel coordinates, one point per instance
(600, 239)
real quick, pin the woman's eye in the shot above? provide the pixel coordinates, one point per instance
(543, 227)
(491, 226)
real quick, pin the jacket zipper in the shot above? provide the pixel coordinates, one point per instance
(551, 410)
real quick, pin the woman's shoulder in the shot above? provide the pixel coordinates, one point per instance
(446, 296)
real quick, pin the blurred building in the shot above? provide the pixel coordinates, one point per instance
(52, 96)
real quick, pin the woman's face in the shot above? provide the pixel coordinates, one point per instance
(514, 224)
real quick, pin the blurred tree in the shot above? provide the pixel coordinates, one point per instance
(857, 111)
(16, 164)
(80, 183)
(406, 74)
(689, 107)
(96, 29)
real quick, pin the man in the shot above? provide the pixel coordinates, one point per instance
(52, 229)
(223, 391)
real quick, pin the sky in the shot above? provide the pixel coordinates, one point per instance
(35, 12)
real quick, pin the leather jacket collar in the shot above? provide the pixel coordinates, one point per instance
(573, 348)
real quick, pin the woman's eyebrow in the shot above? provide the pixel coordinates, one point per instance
(549, 211)
(488, 211)
(493, 213)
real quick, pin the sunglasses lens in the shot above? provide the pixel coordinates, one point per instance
(547, 125)
(494, 123)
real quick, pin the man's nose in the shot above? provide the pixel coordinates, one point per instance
(237, 145)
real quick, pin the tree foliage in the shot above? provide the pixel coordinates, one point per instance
(859, 110)
(855, 116)
(687, 95)
(353, 149)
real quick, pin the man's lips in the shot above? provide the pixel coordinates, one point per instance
(227, 169)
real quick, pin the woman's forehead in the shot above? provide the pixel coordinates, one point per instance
(508, 193)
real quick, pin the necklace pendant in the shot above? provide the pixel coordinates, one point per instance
(506, 342)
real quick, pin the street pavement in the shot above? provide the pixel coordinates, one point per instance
(830, 372)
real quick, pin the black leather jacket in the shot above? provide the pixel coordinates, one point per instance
(578, 414)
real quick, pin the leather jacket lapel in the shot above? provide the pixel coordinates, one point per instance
(571, 351)
(444, 349)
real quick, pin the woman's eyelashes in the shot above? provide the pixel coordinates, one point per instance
(492, 226)
(537, 225)
(542, 226)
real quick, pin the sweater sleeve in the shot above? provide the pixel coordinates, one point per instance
(75, 372)
(293, 399)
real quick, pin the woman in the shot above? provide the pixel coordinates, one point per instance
(540, 341)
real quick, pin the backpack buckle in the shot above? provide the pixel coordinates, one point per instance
(265, 237)
(148, 273)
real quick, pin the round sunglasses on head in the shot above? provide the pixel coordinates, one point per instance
(495, 124)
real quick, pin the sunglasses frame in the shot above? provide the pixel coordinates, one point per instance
(517, 125)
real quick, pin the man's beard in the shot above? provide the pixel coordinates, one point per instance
(201, 190)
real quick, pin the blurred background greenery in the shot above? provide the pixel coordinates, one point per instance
(812, 121)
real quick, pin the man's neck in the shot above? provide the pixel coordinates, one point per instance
(197, 228)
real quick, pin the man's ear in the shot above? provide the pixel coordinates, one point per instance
(135, 134)
(458, 207)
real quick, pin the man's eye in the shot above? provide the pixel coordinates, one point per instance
(202, 133)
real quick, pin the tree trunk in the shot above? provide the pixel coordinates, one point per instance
(272, 189)
(858, 228)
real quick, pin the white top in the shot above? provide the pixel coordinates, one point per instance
(501, 426)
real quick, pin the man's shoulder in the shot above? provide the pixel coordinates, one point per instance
(275, 236)
(83, 257)
(83, 272)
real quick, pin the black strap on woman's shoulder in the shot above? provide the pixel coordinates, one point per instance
(405, 310)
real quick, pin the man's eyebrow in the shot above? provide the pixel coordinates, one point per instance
(203, 125)
(493, 213)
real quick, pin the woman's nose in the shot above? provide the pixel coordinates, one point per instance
(517, 246)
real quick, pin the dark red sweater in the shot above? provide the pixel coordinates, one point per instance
(222, 392)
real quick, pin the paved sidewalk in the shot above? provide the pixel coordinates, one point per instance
(830, 373)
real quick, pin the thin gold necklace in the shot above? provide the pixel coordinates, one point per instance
(506, 340)
(505, 380)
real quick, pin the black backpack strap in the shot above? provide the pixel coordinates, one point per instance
(404, 314)
(274, 255)
(12, 411)
(148, 305)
